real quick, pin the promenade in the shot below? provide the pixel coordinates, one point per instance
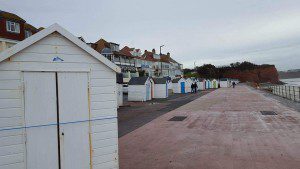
(224, 129)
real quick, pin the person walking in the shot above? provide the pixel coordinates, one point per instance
(192, 87)
(196, 87)
(233, 84)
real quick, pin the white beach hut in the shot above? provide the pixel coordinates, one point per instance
(178, 85)
(214, 84)
(188, 83)
(160, 88)
(207, 84)
(58, 103)
(224, 82)
(140, 89)
(201, 83)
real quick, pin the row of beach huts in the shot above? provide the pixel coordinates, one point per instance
(147, 88)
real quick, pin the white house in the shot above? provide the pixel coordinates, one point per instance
(58, 106)
(178, 85)
(140, 89)
(160, 88)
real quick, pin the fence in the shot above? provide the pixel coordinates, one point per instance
(289, 92)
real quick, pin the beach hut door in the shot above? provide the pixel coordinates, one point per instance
(182, 87)
(148, 91)
(56, 120)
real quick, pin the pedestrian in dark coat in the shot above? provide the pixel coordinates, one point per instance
(196, 87)
(192, 87)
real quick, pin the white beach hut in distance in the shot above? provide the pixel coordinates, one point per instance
(207, 84)
(224, 82)
(188, 83)
(140, 89)
(58, 106)
(201, 83)
(178, 85)
(160, 88)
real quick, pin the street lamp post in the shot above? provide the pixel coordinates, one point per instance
(160, 57)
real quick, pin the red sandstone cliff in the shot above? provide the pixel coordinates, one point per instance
(257, 75)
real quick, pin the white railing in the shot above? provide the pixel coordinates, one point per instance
(289, 92)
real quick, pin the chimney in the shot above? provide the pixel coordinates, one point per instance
(153, 51)
(168, 54)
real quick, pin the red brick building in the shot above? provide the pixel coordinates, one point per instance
(13, 29)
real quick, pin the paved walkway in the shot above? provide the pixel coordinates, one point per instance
(224, 130)
(141, 113)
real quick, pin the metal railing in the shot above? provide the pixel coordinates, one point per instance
(289, 92)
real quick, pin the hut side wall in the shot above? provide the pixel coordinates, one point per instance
(160, 91)
(136, 93)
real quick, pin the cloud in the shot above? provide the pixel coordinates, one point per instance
(217, 32)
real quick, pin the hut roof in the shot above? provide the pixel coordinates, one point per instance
(176, 80)
(138, 80)
(223, 79)
(160, 80)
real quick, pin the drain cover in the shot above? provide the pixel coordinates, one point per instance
(268, 113)
(178, 118)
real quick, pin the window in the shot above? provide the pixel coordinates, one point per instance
(27, 33)
(12, 27)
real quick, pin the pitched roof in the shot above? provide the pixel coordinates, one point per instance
(11, 16)
(138, 80)
(126, 51)
(162, 80)
(149, 56)
(56, 28)
(176, 80)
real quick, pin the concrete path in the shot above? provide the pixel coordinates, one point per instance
(224, 130)
(141, 113)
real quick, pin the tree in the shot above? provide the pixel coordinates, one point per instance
(207, 71)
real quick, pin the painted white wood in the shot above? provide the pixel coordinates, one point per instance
(177, 86)
(40, 109)
(73, 107)
(9, 75)
(10, 94)
(11, 112)
(188, 83)
(11, 140)
(119, 94)
(10, 84)
(48, 58)
(137, 93)
(160, 91)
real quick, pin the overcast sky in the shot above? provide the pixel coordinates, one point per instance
(201, 31)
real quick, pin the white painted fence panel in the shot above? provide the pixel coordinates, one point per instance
(289, 92)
